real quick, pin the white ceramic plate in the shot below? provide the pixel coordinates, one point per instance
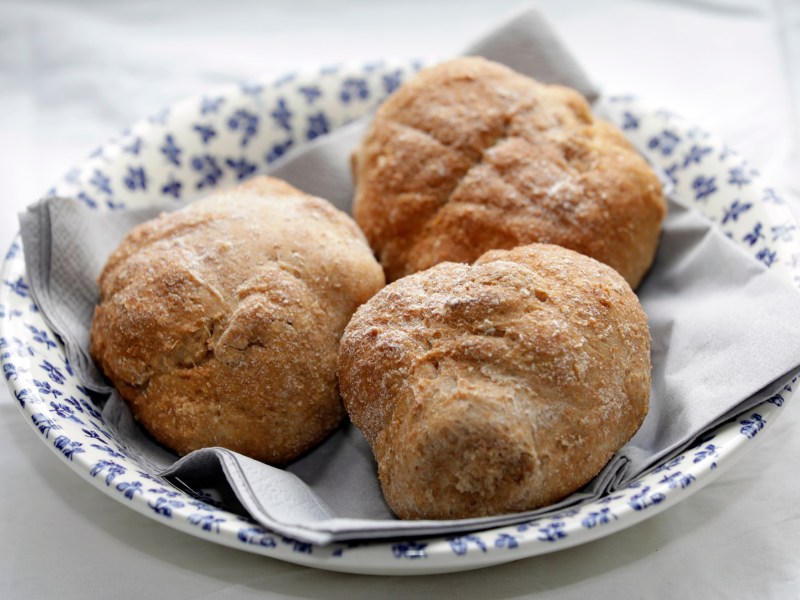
(207, 143)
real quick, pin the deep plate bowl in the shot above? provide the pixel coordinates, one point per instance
(208, 143)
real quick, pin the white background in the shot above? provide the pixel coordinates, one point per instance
(74, 74)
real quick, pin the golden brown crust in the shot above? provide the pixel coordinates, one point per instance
(219, 324)
(498, 387)
(470, 155)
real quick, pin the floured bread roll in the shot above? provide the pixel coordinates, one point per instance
(219, 324)
(499, 387)
(469, 156)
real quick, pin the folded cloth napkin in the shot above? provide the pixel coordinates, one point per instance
(724, 332)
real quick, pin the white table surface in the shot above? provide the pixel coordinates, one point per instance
(73, 74)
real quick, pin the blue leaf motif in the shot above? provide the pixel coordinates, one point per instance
(87, 200)
(130, 488)
(353, 88)
(282, 115)
(44, 424)
(735, 210)
(629, 121)
(767, 256)
(67, 447)
(504, 540)
(256, 536)
(207, 166)
(211, 105)
(665, 142)
(279, 149)
(112, 469)
(171, 150)
(392, 81)
(172, 188)
(136, 179)
(206, 132)
(19, 287)
(317, 126)
(241, 167)
(750, 427)
(246, 122)
(310, 92)
(410, 550)
(696, 154)
(101, 182)
(703, 187)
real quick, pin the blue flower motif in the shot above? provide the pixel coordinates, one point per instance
(317, 126)
(172, 188)
(330, 70)
(241, 167)
(87, 200)
(552, 532)
(751, 427)
(207, 522)
(65, 412)
(207, 132)
(13, 250)
(284, 79)
(629, 121)
(207, 166)
(783, 232)
(310, 92)
(101, 182)
(671, 464)
(256, 536)
(93, 435)
(738, 177)
(410, 550)
(40, 335)
(19, 287)
(45, 389)
(767, 256)
(24, 396)
(136, 179)
(301, 547)
(644, 499)
(114, 205)
(163, 506)
(246, 122)
(771, 196)
(674, 480)
(665, 142)
(211, 105)
(67, 447)
(601, 517)
(91, 410)
(736, 209)
(53, 372)
(708, 451)
(777, 399)
(10, 372)
(696, 154)
(251, 89)
(112, 469)
(353, 88)
(504, 540)
(460, 545)
(135, 147)
(755, 235)
(130, 488)
(279, 150)
(392, 81)
(171, 150)
(703, 187)
(282, 115)
(44, 424)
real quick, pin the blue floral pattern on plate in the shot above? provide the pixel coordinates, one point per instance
(212, 142)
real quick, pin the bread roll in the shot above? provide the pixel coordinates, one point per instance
(499, 387)
(470, 155)
(219, 324)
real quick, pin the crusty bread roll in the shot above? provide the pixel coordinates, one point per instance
(219, 324)
(469, 156)
(499, 387)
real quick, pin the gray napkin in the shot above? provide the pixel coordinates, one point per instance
(724, 331)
